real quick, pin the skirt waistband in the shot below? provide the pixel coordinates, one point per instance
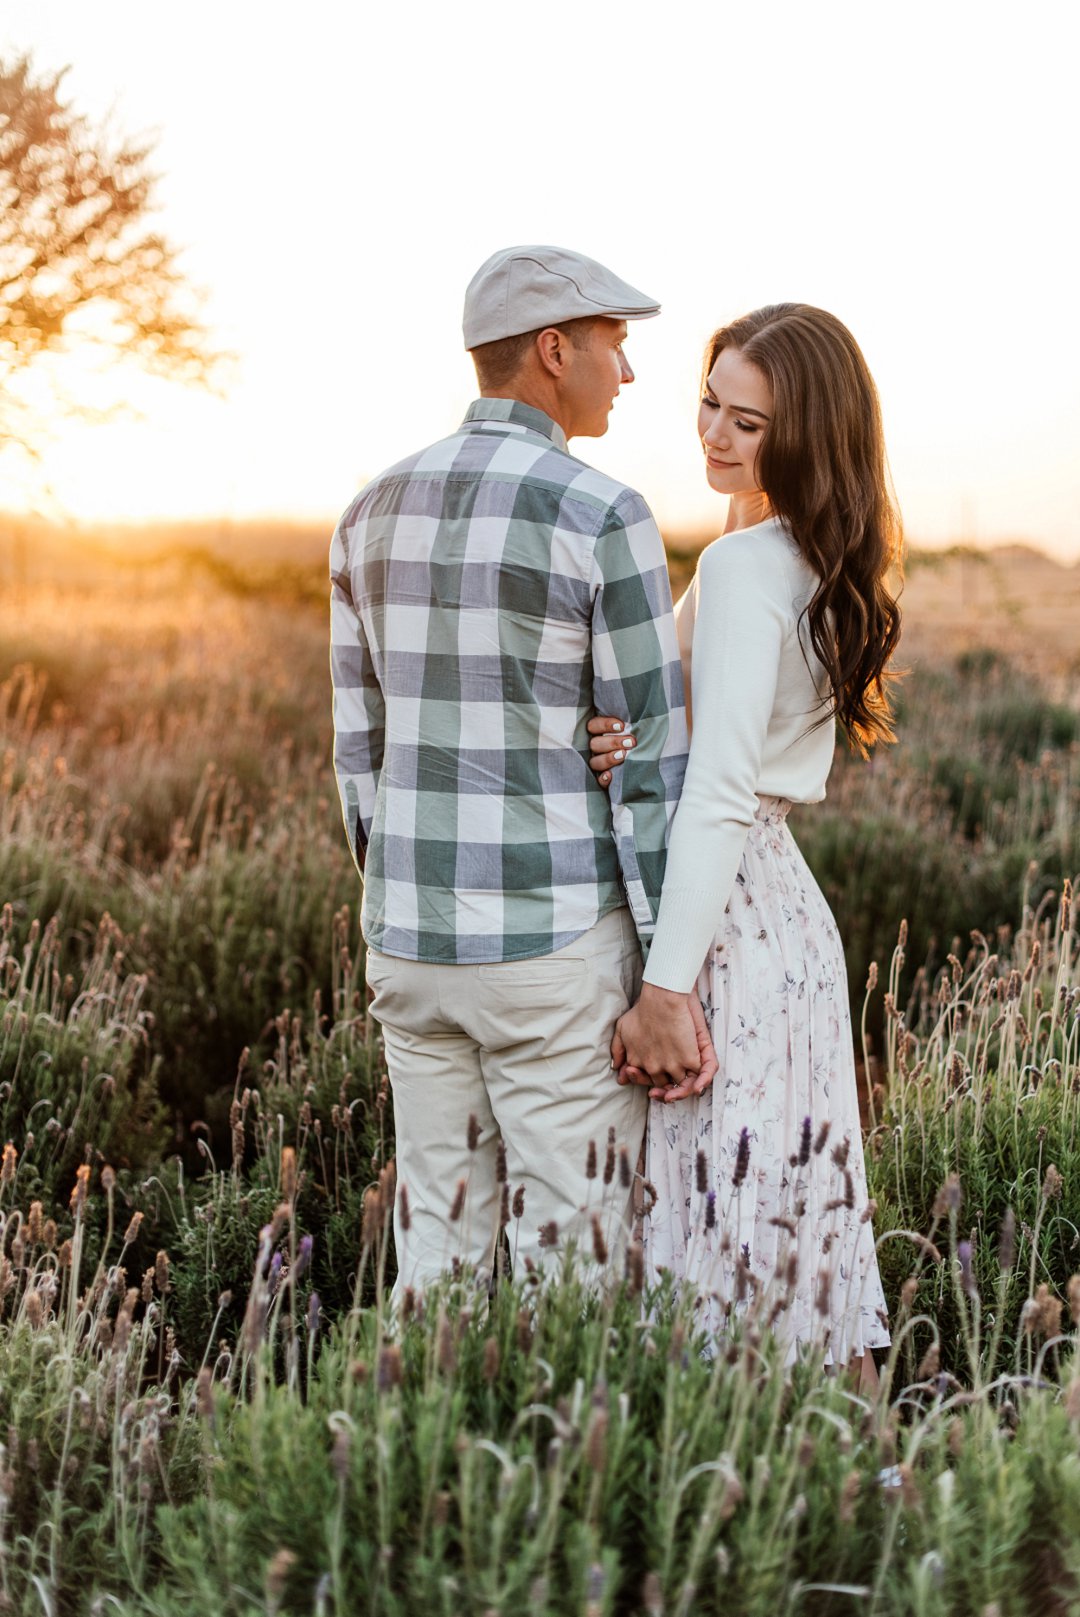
(772, 810)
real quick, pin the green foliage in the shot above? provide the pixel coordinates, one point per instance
(75, 1083)
(204, 1396)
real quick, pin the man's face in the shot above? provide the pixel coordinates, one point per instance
(595, 374)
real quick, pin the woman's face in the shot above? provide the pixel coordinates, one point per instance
(735, 410)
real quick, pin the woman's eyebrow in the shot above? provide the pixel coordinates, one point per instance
(744, 409)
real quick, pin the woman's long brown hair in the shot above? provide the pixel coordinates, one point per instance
(822, 467)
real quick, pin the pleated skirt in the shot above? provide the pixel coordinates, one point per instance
(758, 1187)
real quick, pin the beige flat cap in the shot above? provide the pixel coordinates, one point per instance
(526, 288)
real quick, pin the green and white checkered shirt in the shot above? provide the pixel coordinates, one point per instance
(489, 596)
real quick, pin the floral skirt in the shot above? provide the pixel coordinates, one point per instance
(760, 1183)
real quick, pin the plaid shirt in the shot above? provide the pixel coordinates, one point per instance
(489, 596)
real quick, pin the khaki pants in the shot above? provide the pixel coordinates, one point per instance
(524, 1048)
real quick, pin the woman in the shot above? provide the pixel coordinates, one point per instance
(788, 624)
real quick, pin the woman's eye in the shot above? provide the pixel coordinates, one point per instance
(711, 403)
(747, 426)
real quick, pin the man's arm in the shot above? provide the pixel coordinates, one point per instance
(637, 677)
(359, 709)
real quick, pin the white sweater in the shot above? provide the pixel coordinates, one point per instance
(757, 689)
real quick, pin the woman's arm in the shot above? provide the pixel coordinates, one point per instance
(743, 615)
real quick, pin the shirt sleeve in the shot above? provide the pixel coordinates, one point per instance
(743, 616)
(637, 677)
(359, 709)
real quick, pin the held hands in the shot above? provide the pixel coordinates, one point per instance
(610, 743)
(663, 1042)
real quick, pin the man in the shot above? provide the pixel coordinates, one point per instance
(489, 595)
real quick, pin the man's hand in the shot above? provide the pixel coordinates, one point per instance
(660, 1038)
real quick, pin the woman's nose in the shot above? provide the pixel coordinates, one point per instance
(717, 435)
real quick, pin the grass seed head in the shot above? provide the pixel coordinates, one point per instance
(7, 1165)
(599, 1245)
(1072, 1401)
(590, 1160)
(472, 1133)
(445, 1350)
(1041, 1314)
(1053, 1184)
(849, 1497)
(161, 1274)
(457, 1206)
(390, 1371)
(491, 1359)
(626, 1172)
(288, 1173)
(596, 1441)
(1072, 1294)
(949, 1198)
(204, 1393)
(609, 1158)
(79, 1193)
(371, 1218)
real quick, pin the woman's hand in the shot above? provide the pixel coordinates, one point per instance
(663, 1041)
(610, 743)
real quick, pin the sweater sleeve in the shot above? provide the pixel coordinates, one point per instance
(743, 616)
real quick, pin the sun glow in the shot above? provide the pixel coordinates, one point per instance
(334, 212)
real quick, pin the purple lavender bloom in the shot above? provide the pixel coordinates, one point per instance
(314, 1308)
(275, 1274)
(303, 1255)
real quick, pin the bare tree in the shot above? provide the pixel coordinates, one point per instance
(76, 239)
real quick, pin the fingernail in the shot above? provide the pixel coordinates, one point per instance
(618, 757)
(616, 725)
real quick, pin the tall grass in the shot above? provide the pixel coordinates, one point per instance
(204, 1395)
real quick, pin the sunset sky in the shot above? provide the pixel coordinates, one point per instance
(336, 174)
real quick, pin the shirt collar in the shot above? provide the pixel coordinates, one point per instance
(512, 415)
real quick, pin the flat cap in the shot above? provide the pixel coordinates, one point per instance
(526, 288)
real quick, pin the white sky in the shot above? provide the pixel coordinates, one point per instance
(337, 172)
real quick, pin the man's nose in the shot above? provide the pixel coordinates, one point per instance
(627, 373)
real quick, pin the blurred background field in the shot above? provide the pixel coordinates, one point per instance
(199, 1144)
(166, 732)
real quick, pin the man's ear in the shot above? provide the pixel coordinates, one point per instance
(552, 350)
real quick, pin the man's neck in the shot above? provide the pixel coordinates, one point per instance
(538, 398)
